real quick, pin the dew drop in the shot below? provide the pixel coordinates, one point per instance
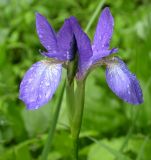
(29, 80)
(40, 36)
(49, 48)
(47, 84)
(47, 95)
(36, 107)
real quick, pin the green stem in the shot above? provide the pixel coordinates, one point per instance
(71, 71)
(94, 15)
(53, 126)
(70, 99)
(77, 116)
(75, 149)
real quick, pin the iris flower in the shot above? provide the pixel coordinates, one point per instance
(120, 80)
(42, 79)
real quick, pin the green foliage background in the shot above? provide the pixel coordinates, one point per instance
(111, 129)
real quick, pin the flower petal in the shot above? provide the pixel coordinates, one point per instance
(39, 84)
(122, 82)
(103, 33)
(66, 40)
(104, 30)
(47, 36)
(84, 47)
(105, 53)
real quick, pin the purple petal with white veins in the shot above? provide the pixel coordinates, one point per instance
(40, 83)
(122, 82)
(84, 47)
(66, 40)
(47, 36)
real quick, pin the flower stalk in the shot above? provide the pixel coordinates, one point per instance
(77, 104)
(78, 109)
(78, 114)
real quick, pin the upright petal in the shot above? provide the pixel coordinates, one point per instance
(40, 83)
(122, 82)
(47, 36)
(66, 41)
(104, 30)
(84, 47)
(103, 35)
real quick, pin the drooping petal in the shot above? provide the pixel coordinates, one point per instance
(47, 36)
(122, 82)
(66, 41)
(83, 45)
(40, 83)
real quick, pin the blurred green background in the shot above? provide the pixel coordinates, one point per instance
(120, 131)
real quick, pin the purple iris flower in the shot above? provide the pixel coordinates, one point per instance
(42, 79)
(121, 81)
